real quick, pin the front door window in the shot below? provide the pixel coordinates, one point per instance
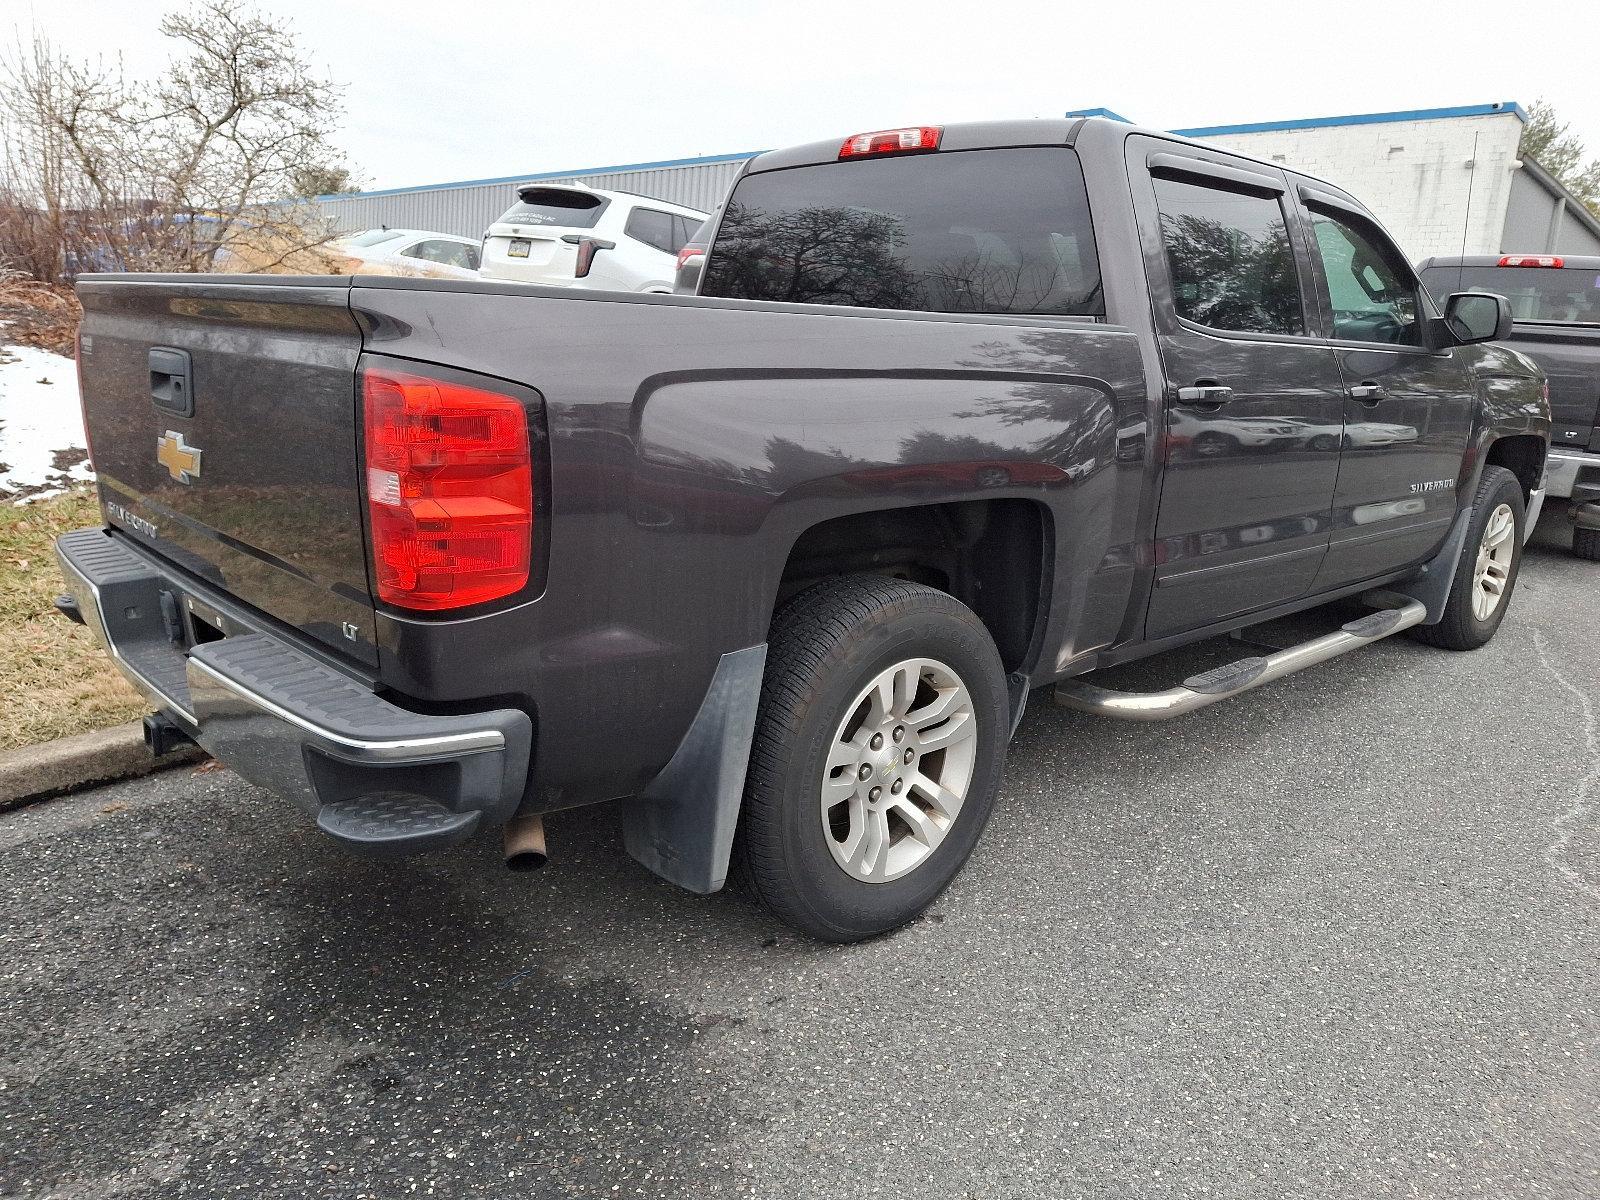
(1372, 299)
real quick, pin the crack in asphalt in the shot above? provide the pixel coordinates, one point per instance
(1570, 823)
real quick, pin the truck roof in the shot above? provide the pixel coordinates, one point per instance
(1031, 131)
(1571, 262)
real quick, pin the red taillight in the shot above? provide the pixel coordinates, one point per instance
(691, 250)
(587, 249)
(449, 491)
(1532, 260)
(892, 141)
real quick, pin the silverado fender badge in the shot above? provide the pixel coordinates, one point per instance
(182, 461)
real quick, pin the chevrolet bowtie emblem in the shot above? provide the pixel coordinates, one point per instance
(181, 461)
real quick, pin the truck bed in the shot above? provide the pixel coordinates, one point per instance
(685, 444)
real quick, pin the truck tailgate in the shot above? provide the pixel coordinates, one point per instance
(222, 425)
(1570, 356)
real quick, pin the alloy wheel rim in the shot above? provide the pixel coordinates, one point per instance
(1495, 553)
(898, 770)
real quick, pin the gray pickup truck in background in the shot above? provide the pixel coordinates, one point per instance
(1555, 308)
(957, 413)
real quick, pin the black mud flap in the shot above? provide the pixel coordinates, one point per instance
(682, 826)
(1017, 693)
(1432, 582)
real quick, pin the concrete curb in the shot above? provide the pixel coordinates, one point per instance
(66, 764)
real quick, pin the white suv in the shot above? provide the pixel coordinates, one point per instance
(582, 237)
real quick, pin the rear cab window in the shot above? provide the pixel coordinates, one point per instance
(1550, 295)
(972, 231)
(564, 207)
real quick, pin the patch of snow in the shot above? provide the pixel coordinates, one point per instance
(42, 444)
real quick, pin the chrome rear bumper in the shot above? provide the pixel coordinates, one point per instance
(376, 776)
(1568, 471)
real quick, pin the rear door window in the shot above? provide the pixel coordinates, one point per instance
(1230, 258)
(564, 207)
(975, 231)
(448, 253)
(652, 227)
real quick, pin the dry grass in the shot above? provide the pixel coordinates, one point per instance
(40, 314)
(275, 255)
(54, 677)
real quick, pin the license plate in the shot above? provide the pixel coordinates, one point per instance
(519, 248)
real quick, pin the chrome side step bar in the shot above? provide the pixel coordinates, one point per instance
(1394, 613)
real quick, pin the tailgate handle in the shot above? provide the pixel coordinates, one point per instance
(171, 381)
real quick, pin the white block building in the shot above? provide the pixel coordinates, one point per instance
(1443, 180)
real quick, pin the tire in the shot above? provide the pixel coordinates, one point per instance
(1466, 625)
(1323, 443)
(823, 866)
(1586, 544)
(1212, 444)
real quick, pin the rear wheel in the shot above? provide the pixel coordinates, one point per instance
(877, 757)
(1487, 573)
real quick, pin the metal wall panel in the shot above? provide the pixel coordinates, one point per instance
(1542, 217)
(467, 210)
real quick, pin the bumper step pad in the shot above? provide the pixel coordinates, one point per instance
(398, 819)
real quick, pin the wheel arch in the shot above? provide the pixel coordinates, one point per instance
(993, 555)
(1523, 454)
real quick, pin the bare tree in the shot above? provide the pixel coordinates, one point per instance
(317, 180)
(187, 172)
(58, 121)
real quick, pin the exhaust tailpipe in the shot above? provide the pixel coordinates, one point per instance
(525, 843)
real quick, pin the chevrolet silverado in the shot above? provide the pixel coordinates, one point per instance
(957, 413)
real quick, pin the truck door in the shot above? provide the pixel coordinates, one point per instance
(1254, 405)
(1408, 410)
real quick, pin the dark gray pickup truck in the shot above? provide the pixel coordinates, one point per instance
(958, 413)
(1555, 307)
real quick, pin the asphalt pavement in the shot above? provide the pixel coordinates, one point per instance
(1335, 938)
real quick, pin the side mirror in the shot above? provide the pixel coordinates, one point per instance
(1477, 317)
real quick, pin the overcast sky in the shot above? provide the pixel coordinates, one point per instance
(443, 91)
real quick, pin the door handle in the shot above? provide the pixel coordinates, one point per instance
(1207, 394)
(1368, 393)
